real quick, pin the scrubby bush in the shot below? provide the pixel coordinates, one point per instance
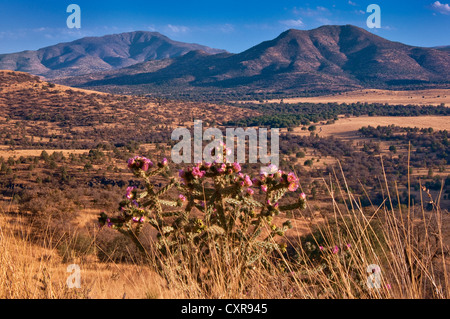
(214, 215)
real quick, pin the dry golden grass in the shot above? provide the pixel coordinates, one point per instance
(347, 127)
(55, 88)
(410, 244)
(6, 152)
(410, 248)
(36, 270)
(417, 97)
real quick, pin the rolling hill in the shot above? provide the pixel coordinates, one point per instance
(36, 114)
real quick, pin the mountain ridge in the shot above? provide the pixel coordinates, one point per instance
(96, 54)
(327, 58)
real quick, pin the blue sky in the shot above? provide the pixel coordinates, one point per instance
(234, 25)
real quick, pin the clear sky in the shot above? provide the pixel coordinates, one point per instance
(233, 25)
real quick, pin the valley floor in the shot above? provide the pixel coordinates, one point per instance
(419, 97)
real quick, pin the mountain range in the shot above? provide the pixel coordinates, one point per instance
(96, 54)
(329, 58)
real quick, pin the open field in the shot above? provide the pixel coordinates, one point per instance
(6, 152)
(347, 127)
(420, 97)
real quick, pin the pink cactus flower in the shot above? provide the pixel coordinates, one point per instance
(131, 162)
(147, 164)
(303, 196)
(140, 162)
(293, 186)
(248, 182)
(222, 168)
(250, 191)
(291, 177)
(139, 220)
(335, 249)
(182, 197)
(264, 188)
(197, 173)
(130, 192)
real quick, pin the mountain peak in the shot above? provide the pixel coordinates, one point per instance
(331, 57)
(328, 58)
(96, 54)
(327, 29)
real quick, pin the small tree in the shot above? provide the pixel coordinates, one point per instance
(308, 163)
(300, 154)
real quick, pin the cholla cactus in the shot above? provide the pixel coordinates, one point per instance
(211, 205)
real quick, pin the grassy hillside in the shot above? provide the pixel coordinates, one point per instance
(375, 194)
